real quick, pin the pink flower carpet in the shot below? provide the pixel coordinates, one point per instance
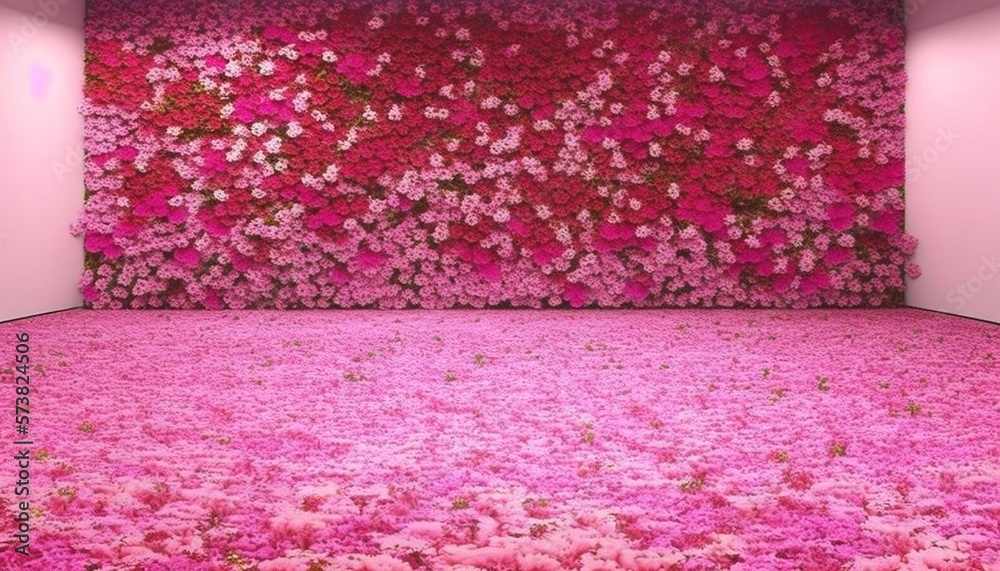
(509, 440)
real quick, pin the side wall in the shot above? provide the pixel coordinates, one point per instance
(41, 155)
(953, 172)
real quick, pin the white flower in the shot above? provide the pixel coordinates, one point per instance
(226, 111)
(258, 193)
(395, 113)
(329, 57)
(563, 235)
(294, 129)
(436, 113)
(491, 102)
(448, 91)
(618, 159)
(311, 181)
(258, 129)
(330, 175)
(544, 125)
(266, 67)
(220, 195)
(375, 23)
(273, 145)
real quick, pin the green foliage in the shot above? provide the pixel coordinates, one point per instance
(778, 394)
(692, 484)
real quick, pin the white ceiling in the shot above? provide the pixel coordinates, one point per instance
(926, 13)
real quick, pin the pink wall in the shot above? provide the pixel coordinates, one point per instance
(953, 171)
(41, 135)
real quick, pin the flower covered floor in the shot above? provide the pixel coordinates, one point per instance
(510, 440)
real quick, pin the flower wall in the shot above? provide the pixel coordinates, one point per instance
(480, 153)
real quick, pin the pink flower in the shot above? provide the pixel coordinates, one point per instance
(188, 257)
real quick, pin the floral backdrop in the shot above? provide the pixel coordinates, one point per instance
(515, 153)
